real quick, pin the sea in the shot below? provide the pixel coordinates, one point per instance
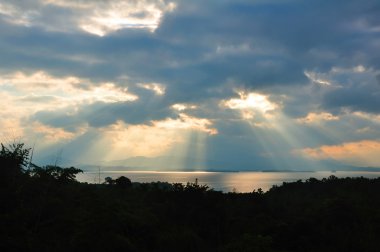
(221, 181)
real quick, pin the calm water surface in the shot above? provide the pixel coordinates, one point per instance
(222, 181)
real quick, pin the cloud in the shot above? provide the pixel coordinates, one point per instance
(157, 88)
(71, 102)
(361, 153)
(254, 107)
(355, 89)
(183, 106)
(337, 91)
(62, 91)
(13, 14)
(253, 101)
(267, 76)
(186, 122)
(53, 134)
(33, 98)
(64, 106)
(26, 97)
(316, 79)
(95, 17)
(226, 50)
(317, 118)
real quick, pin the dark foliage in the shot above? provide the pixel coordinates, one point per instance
(123, 182)
(54, 173)
(45, 209)
(13, 162)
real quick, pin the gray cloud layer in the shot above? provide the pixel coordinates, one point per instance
(202, 51)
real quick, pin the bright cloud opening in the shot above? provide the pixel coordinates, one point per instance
(183, 106)
(101, 18)
(95, 17)
(253, 101)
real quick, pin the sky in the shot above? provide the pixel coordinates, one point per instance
(217, 84)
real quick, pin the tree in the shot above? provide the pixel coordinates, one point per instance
(109, 180)
(195, 187)
(123, 182)
(13, 162)
(50, 172)
(15, 155)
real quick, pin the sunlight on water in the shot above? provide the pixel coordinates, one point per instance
(222, 181)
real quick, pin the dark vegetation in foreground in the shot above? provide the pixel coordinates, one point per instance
(46, 209)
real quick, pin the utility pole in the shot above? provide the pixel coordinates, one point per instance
(99, 175)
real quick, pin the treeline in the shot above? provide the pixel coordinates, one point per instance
(46, 209)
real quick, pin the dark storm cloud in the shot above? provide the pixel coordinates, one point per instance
(176, 52)
(283, 38)
(357, 97)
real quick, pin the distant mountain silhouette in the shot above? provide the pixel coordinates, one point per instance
(178, 163)
(167, 163)
(182, 163)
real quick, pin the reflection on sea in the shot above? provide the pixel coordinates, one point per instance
(222, 181)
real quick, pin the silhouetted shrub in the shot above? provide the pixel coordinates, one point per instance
(123, 182)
